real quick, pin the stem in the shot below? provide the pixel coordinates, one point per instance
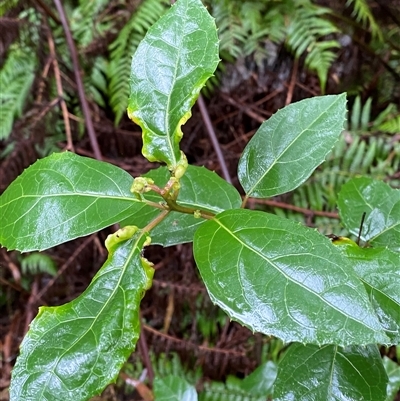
(245, 199)
(78, 79)
(154, 204)
(60, 92)
(170, 200)
(156, 221)
(213, 137)
(173, 206)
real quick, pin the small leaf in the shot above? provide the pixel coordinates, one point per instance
(71, 352)
(280, 278)
(331, 373)
(381, 204)
(62, 197)
(171, 65)
(200, 189)
(393, 372)
(379, 271)
(261, 381)
(173, 388)
(290, 145)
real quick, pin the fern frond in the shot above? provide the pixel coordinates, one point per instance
(388, 120)
(85, 21)
(231, 390)
(36, 263)
(360, 115)
(231, 32)
(96, 82)
(304, 35)
(320, 59)
(122, 49)
(391, 126)
(7, 5)
(363, 15)
(16, 78)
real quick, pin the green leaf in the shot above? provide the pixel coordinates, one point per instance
(379, 270)
(173, 388)
(290, 145)
(280, 278)
(200, 189)
(171, 65)
(331, 373)
(380, 202)
(393, 372)
(62, 197)
(71, 352)
(261, 381)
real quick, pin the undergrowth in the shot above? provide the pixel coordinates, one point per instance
(307, 30)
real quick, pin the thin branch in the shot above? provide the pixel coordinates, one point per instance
(67, 263)
(244, 108)
(47, 10)
(192, 345)
(60, 92)
(144, 351)
(42, 84)
(78, 79)
(213, 137)
(292, 83)
(282, 205)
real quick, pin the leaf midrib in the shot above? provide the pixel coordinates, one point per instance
(286, 149)
(123, 271)
(288, 277)
(169, 98)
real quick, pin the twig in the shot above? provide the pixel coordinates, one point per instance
(213, 137)
(244, 108)
(47, 10)
(45, 110)
(31, 307)
(8, 345)
(78, 79)
(169, 312)
(140, 387)
(41, 85)
(282, 205)
(292, 83)
(60, 92)
(13, 268)
(269, 96)
(144, 351)
(68, 262)
(193, 345)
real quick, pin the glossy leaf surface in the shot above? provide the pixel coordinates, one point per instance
(380, 202)
(62, 197)
(379, 270)
(71, 352)
(393, 372)
(283, 279)
(173, 388)
(261, 381)
(288, 147)
(171, 65)
(200, 189)
(331, 373)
